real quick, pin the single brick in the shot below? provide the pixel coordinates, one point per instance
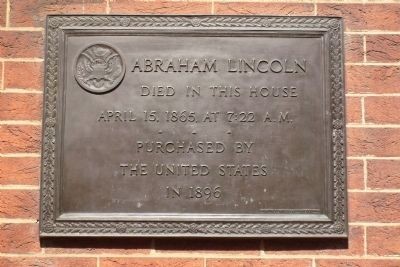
(383, 48)
(257, 263)
(381, 110)
(353, 109)
(19, 238)
(357, 263)
(383, 142)
(383, 174)
(93, 7)
(209, 246)
(1, 76)
(32, 13)
(314, 246)
(159, 7)
(240, 8)
(46, 262)
(20, 106)
(383, 241)
(374, 207)
(19, 204)
(153, 262)
(24, 171)
(21, 44)
(355, 174)
(20, 138)
(364, 16)
(3, 12)
(353, 48)
(372, 79)
(16, 73)
(126, 246)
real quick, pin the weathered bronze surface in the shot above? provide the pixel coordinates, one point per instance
(194, 126)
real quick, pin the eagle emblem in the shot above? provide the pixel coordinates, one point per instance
(99, 68)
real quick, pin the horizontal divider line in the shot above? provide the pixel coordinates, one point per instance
(21, 91)
(193, 255)
(361, 2)
(258, 1)
(377, 64)
(21, 59)
(373, 158)
(20, 122)
(374, 224)
(371, 32)
(372, 125)
(17, 221)
(19, 155)
(22, 29)
(372, 94)
(374, 190)
(19, 187)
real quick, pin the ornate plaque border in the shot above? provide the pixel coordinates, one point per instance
(336, 226)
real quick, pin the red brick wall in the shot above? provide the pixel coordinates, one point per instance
(372, 35)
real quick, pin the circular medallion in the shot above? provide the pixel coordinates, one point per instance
(99, 68)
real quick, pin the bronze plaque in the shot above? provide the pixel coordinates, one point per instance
(220, 126)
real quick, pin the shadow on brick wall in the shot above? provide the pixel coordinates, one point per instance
(195, 245)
